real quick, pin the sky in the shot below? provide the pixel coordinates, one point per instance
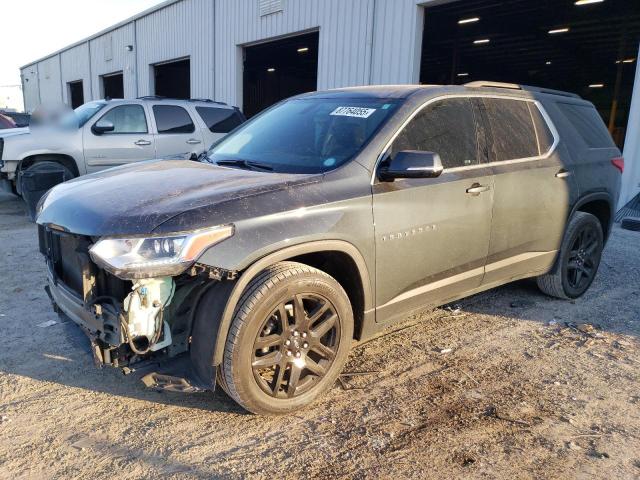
(30, 29)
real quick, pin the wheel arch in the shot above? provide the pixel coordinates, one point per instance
(599, 205)
(316, 254)
(64, 159)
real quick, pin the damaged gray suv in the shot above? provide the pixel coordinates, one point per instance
(324, 220)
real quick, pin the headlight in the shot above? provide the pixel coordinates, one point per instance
(172, 254)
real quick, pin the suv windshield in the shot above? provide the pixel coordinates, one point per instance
(308, 135)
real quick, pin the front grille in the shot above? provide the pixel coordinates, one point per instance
(68, 257)
(69, 261)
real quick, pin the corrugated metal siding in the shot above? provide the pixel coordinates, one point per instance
(108, 55)
(30, 87)
(180, 30)
(360, 42)
(397, 42)
(75, 66)
(49, 80)
(344, 39)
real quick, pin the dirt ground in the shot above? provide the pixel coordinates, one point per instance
(512, 385)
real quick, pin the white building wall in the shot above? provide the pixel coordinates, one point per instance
(75, 66)
(30, 88)
(631, 175)
(183, 29)
(109, 54)
(49, 79)
(397, 42)
(344, 39)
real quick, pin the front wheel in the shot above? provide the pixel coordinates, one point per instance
(288, 341)
(578, 259)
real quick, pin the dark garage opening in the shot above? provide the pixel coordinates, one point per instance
(113, 85)
(76, 93)
(173, 79)
(279, 69)
(589, 48)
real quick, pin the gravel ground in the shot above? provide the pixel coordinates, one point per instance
(512, 385)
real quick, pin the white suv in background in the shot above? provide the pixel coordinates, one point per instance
(107, 133)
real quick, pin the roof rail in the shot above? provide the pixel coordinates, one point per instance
(160, 97)
(152, 97)
(483, 83)
(515, 86)
(206, 100)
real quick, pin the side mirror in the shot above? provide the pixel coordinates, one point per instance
(411, 164)
(102, 126)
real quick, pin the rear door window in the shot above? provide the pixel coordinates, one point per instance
(172, 119)
(588, 124)
(446, 127)
(512, 132)
(220, 120)
(126, 119)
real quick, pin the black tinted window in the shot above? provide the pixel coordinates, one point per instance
(512, 132)
(220, 120)
(545, 137)
(588, 124)
(172, 119)
(447, 128)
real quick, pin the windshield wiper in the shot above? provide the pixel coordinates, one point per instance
(248, 164)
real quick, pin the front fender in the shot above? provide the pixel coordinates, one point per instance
(278, 256)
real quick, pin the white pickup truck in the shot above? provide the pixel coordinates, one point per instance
(106, 133)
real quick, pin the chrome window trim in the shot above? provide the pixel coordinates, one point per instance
(541, 109)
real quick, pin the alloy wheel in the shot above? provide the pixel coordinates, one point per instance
(583, 258)
(296, 345)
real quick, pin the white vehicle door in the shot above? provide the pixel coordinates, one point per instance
(217, 121)
(176, 132)
(120, 135)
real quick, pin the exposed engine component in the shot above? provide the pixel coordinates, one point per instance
(144, 308)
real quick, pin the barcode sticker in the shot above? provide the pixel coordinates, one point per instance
(359, 112)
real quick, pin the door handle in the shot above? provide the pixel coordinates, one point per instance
(193, 141)
(142, 142)
(563, 173)
(477, 189)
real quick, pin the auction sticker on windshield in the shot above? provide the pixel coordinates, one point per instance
(359, 112)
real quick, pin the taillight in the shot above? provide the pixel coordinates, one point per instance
(618, 162)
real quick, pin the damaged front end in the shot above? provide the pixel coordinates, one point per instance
(134, 297)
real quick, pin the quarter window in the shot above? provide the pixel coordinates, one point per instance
(543, 132)
(446, 127)
(588, 123)
(219, 120)
(172, 119)
(512, 131)
(127, 119)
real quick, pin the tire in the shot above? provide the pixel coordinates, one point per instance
(577, 263)
(268, 340)
(38, 178)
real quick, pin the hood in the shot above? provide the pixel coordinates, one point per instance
(9, 132)
(136, 199)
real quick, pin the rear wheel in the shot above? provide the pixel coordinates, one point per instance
(289, 339)
(578, 259)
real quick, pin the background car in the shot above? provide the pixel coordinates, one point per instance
(107, 133)
(21, 119)
(6, 122)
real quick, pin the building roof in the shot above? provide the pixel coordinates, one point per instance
(133, 18)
